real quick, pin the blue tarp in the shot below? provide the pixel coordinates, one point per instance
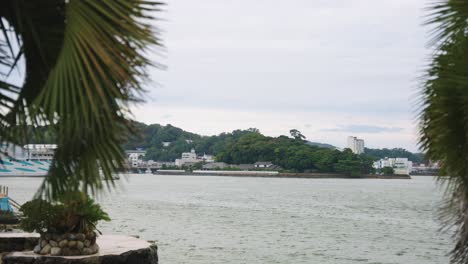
(5, 205)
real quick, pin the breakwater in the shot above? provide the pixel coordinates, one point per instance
(275, 174)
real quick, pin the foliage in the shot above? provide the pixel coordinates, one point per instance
(295, 155)
(74, 212)
(296, 134)
(84, 62)
(395, 153)
(151, 138)
(387, 171)
(444, 115)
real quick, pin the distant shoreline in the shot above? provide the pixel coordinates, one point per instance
(285, 175)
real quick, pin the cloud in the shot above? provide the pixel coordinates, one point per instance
(364, 129)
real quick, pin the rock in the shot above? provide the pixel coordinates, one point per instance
(43, 243)
(94, 248)
(87, 251)
(75, 252)
(66, 252)
(52, 243)
(45, 250)
(55, 251)
(87, 243)
(37, 249)
(72, 244)
(55, 237)
(71, 237)
(80, 237)
(63, 243)
(79, 245)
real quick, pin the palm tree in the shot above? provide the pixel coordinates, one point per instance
(84, 62)
(444, 115)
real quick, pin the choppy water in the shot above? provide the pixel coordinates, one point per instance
(204, 220)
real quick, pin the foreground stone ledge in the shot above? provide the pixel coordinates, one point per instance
(114, 249)
(17, 241)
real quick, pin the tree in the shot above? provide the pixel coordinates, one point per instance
(84, 62)
(444, 115)
(296, 134)
(388, 171)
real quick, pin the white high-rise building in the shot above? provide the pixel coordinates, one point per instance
(356, 145)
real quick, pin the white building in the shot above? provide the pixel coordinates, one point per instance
(401, 166)
(187, 158)
(356, 145)
(208, 158)
(135, 157)
(39, 152)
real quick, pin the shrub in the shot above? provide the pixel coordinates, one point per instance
(72, 213)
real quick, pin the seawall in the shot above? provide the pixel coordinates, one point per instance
(281, 175)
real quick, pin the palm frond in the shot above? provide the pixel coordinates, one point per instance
(85, 61)
(444, 116)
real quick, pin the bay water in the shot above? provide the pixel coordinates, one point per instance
(207, 219)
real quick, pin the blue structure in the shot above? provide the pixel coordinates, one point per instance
(5, 206)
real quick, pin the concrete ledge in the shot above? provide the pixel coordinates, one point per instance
(17, 241)
(113, 249)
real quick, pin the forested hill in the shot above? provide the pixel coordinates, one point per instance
(166, 143)
(151, 138)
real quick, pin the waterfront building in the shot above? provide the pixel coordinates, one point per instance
(263, 164)
(40, 152)
(32, 160)
(356, 145)
(135, 157)
(208, 158)
(188, 158)
(401, 166)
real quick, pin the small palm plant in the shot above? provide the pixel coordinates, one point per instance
(84, 62)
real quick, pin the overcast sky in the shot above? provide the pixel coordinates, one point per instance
(330, 68)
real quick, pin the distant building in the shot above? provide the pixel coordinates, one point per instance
(356, 145)
(135, 157)
(208, 158)
(401, 166)
(187, 158)
(39, 152)
(263, 164)
(166, 144)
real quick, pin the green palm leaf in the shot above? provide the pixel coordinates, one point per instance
(444, 116)
(85, 61)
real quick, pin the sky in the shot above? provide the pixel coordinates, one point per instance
(329, 68)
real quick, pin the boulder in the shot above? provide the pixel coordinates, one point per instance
(52, 243)
(63, 243)
(45, 250)
(55, 251)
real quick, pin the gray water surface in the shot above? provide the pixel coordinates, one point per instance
(202, 220)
